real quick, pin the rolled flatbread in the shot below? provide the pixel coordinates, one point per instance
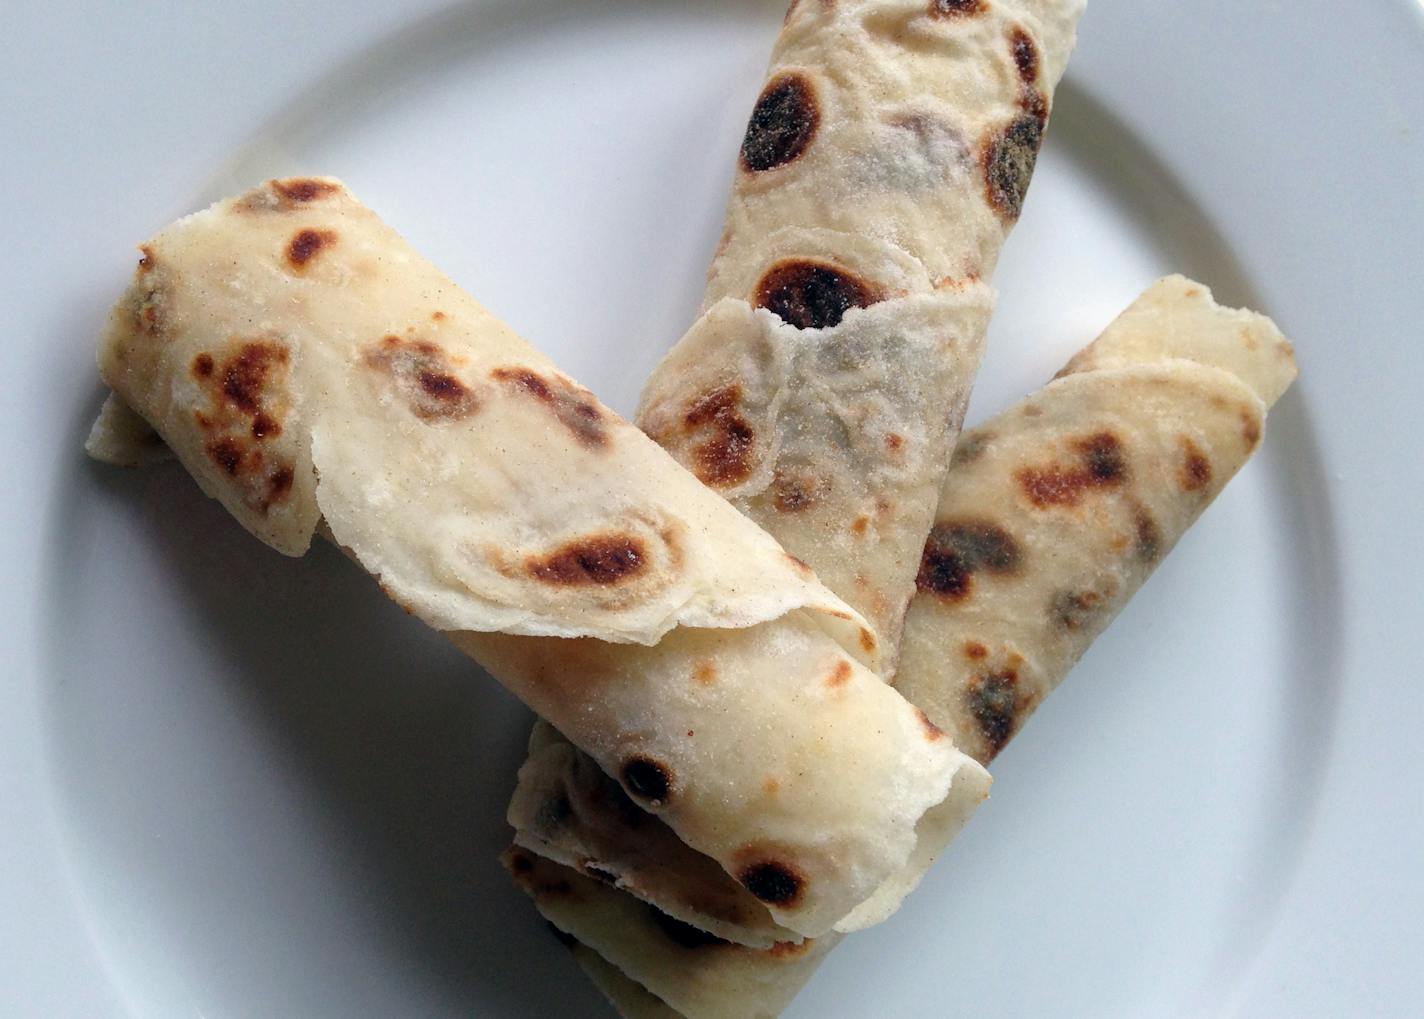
(885, 162)
(1054, 514)
(1058, 510)
(312, 371)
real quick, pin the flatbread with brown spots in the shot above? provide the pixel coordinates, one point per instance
(884, 164)
(1058, 510)
(311, 370)
(1053, 516)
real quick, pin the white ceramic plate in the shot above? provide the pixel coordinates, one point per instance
(234, 785)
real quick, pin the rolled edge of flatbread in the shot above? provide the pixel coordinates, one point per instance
(311, 370)
(631, 999)
(699, 976)
(566, 809)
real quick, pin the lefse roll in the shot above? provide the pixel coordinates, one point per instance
(886, 161)
(314, 373)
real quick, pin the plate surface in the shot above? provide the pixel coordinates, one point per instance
(237, 785)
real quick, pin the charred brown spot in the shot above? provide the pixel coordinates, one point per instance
(957, 8)
(1072, 610)
(443, 387)
(1035, 103)
(245, 376)
(840, 675)
(867, 641)
(684, 935)
(957, 550)
(247, 403)
(1250, 428)
(933, 733)
(601, 560)
(647, 779)
(265, 427)
(860, 526)
(783, 123)
(423, 374)
(771, 787)
(1148, 544)
(773, 883)
(1008, 158)
(791, 493)
(725, 458)
(894, 443)
(1195, 473)
(1102, 465)
(812, 294)
(148, 259)
(302, 190)
(575, 408)
(227, 454)
(438, 316)
(526, 380)
(993, 702)
(1025, 53)
(1032, 99)
(1103, 455)
(279, 484)
(705, 673)
(976, 651)
(306, 245)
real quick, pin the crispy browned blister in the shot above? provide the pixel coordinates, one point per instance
(313, 371)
